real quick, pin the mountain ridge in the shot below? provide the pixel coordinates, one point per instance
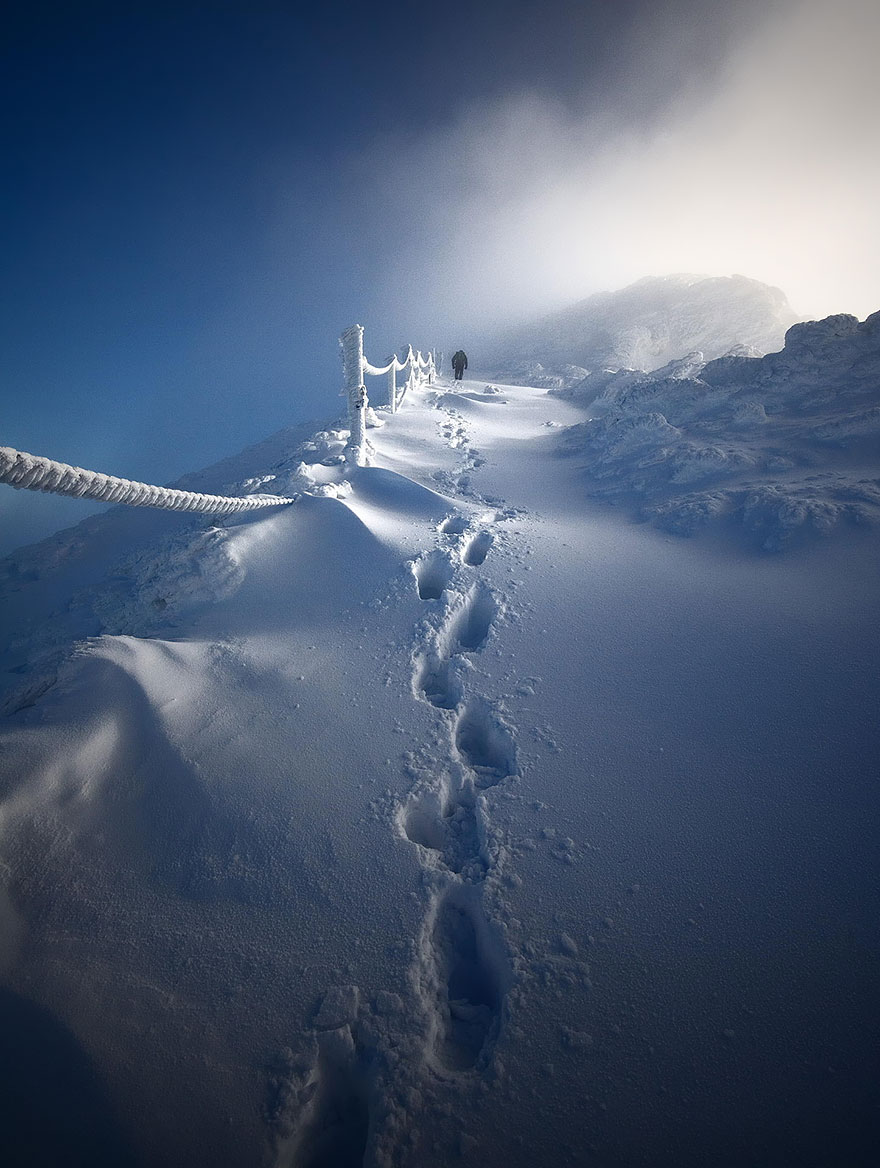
(645, 325)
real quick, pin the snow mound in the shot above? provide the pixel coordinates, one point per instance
(143, 572)
(782, 446)
(157, 587)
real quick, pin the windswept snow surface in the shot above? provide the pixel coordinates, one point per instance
(437, 820)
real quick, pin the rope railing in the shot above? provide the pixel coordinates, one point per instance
(31, 472)
(356, 367)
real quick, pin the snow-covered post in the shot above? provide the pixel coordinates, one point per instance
(352, 342)
(392, 385)
(404, 371)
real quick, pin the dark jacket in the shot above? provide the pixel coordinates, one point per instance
(459, 359)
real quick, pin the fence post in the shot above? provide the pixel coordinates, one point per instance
(392, 385)
(352, 342)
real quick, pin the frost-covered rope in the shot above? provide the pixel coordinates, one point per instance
(377, 371)
(33, 473)
(414, 359)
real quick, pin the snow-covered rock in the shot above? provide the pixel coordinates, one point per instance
(782, 445)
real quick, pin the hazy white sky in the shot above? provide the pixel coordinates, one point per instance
(770, 167)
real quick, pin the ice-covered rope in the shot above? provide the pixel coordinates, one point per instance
(33, 473)
(412, 359)
(394, 363)
(377, 371)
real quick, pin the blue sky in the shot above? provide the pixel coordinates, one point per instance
(200, 196)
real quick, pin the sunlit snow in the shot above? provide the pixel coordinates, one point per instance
(447, 815)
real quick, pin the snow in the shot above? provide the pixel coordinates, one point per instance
(444, 816)
(783, 447)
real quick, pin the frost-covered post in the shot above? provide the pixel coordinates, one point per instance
(352, 342)
(392, 384)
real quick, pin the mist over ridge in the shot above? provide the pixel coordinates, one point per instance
(755, 161)
(645, 325)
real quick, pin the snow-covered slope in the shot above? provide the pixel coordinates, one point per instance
(435, 820)
(644, 326)
(783, 446)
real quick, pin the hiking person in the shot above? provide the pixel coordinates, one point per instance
(459, 363)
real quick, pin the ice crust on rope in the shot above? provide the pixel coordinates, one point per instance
(35, 473)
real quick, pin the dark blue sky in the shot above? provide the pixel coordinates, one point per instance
(183, 238)
(200, 196)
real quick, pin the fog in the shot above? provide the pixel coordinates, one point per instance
(768, 167)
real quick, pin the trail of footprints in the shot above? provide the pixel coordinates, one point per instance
(454, 431)
(461, 973)
(461, 970)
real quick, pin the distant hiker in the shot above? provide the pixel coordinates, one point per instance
(459, 363)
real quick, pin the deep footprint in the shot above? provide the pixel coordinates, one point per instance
(469, 988)
(425, 824)
(433, 573)
(485, 744)
(469, 626)
(450, 829)
(478, 548)
(437, 682)
(337, 1135)
(454, 525)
